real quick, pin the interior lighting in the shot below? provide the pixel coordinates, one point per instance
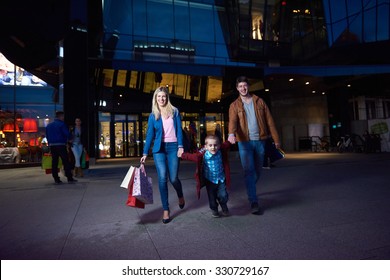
(290, 80)
(30, 125)
(10, 127)
(307, 83)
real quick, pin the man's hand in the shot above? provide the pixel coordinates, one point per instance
(232, 139)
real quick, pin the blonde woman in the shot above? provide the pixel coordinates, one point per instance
(164, 128)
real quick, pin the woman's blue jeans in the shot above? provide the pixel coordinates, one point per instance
(252, 156)
(77, 150)
(167, 165)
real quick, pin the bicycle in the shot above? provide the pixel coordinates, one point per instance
(345, 144)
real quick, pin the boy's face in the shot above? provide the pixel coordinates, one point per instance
(212, 146)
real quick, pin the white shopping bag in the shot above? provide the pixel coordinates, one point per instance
(127, 179)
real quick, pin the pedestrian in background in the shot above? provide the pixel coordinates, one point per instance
(77, 146)
(58, 135)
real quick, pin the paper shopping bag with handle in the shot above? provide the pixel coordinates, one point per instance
(129, 180)
(142, 186)
(128, 177)
(47, 163)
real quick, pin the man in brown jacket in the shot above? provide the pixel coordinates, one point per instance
(250, 123)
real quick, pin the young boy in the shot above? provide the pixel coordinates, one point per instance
(213, 171)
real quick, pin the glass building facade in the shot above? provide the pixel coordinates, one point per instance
(198, 48)
(27, 105)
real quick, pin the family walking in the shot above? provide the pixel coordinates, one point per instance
(250, 124)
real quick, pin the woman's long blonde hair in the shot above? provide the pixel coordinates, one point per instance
(170, 109)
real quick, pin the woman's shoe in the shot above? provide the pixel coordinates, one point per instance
(182, 202)
(166, 220)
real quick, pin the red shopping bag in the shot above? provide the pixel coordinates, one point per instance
(131, 200)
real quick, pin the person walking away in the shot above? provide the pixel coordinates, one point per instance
(77, 146)
(218, 132)
(57, 134)
(250, 123)
(165, 130)
(213, 171)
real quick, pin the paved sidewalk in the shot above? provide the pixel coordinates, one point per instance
(318, 206)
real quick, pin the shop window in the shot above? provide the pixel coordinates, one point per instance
(214, 89)
(121, 78)
(386, 109)
(370, 109)
(108, 77)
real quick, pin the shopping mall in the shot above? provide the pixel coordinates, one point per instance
(321, 66)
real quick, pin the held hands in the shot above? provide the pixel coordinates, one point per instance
(277, 145)
(232, 139)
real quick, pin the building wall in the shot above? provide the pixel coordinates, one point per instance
(296, 117)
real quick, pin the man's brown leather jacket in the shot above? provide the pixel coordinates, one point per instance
(238, 124)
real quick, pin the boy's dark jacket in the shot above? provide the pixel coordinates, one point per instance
(198, 158)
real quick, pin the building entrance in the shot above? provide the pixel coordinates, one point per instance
(118, 135)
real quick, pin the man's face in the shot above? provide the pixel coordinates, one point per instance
(242, 88)
(212, 146)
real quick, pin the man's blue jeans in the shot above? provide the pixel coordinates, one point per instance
(167, 165)
(252, 156)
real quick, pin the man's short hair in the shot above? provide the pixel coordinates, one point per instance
(242, 79)
(59, 114)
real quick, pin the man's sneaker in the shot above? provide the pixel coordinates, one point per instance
(57, 181)
(72, 180)
(215, 214)
(255, 209)
(225, 211)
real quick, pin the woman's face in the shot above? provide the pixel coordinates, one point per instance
(77, 122)
(161, 99)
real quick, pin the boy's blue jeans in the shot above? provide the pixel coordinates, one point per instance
(217, 194)
(252, 156)
(167, 165)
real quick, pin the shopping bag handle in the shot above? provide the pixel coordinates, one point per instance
(142, 168)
